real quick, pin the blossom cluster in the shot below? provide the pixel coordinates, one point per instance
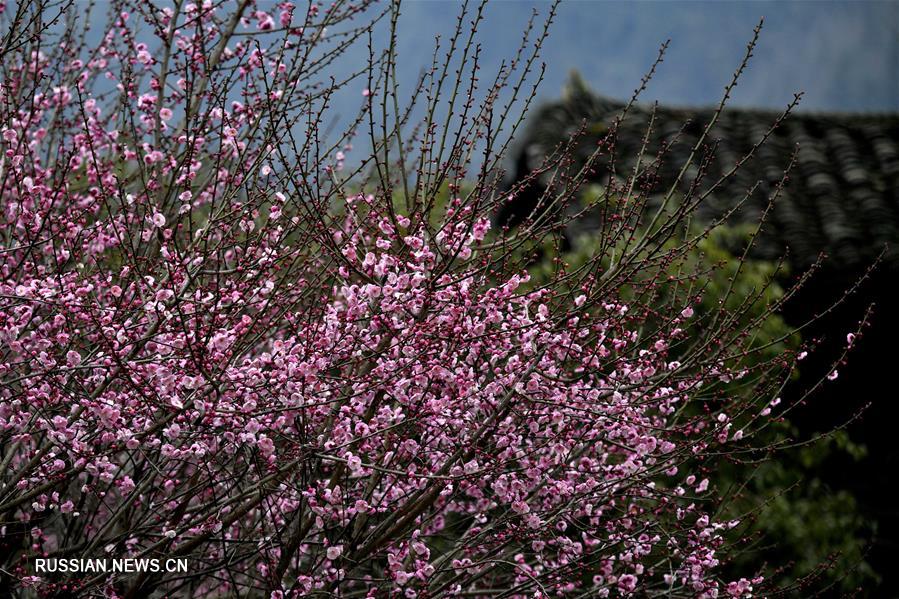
(302, 389)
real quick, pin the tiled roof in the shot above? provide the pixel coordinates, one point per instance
(842, 197)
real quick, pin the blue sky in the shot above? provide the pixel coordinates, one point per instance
(844, 55)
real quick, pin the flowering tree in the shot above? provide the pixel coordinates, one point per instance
(219, 342)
